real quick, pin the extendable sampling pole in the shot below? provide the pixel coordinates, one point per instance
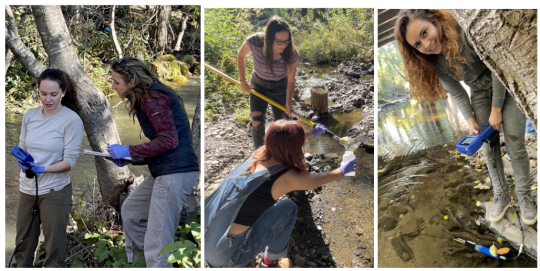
(234, 81)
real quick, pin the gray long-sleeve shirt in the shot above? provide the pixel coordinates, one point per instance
(476, 75)
(50, 139)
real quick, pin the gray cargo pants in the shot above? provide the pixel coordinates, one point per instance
(514, 134)
(151, 213)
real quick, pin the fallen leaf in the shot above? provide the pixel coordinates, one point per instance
(445, 217)
(445, 145)
(479, 170)
(460, 170)
(513, 215)
(477, 186)
(459, 164)
(401, 215)
(493, 250)
(491, 199)
(478, 203)
(476, 181)
(503, 251)
(488, 179)
(500, 241)
(477, 223)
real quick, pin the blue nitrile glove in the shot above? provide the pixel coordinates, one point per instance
(118, 151)
(318, 130)
(349, 166)
(119, 162)
(22, 166)
(37, 169)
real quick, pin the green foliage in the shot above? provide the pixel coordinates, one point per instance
(391, 73)
(184, 251)
(242, 114)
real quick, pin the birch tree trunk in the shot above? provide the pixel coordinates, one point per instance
(182, 29)
(96, 113)
(21, 52)
(506, 40)
(161, 28)
(9, 56)
(117, 47)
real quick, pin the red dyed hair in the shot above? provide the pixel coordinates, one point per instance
(283, 142)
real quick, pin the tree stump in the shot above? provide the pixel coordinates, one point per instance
(319, 99)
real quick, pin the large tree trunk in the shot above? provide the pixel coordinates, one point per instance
(181, 29)
(161, 29)
(196, 129)
(117, 48)
(96, 113)
(14, 43)
(506, 40)
(9, 56)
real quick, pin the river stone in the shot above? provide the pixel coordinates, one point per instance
(299, 261)
(402, 249)
(312, 264)
(408, 226)
(308, 156)
(387, 223)
(330, 156)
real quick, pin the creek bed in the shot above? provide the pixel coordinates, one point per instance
(82, 177)
(421, 180)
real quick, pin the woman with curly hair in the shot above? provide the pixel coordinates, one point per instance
(274, 69)
(151, 213)
(243, 216)
(437, 55)
(52, 135)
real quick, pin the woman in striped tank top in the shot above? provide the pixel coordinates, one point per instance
(274, 62)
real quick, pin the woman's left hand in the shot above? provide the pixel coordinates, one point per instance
(289, 108)
(118, 151)
(37, 169)
(318, 130)
(495, 118)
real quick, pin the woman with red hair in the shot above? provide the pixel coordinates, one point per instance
(243, 216)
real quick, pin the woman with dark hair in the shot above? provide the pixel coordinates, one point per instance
(274, 70)
(437, 55)
(52, 135)
(151, 213)
(243, 216)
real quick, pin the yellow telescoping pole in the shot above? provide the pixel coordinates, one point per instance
(308, 122)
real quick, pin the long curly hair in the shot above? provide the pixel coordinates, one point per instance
(66, 85)
(284, 142)
(420, 71)
(133, 68)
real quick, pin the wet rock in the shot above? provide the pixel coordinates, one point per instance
(308, 156)
(403, 250)
(312, 264)
(387, 223)
(299, 261)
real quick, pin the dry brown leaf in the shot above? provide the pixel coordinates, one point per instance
(503, 251)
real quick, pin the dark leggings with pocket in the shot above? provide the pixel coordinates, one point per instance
(276, 91)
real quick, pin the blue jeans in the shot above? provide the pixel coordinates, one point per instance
(514, 134)
(271, 231)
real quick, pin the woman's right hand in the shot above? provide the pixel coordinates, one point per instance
(473, 126)
(119, 162)
(348, 166)
(245, 86)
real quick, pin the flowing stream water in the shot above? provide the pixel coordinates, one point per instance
(84, 174)
(344, 207)
(419, 183)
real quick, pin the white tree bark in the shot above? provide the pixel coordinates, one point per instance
(181, 30)
(117, 47)
(96, 113)
(21, 52)
(506, 40)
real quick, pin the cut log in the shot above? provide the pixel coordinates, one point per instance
(319, 99)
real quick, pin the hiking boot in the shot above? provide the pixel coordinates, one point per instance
(500, 205)
(527, 209)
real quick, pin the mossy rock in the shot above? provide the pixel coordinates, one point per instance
(168, 58)
(184, 68)
(153, 69)
(189, 59)
(196, 69)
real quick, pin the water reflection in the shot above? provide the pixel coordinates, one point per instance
(413, 126)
